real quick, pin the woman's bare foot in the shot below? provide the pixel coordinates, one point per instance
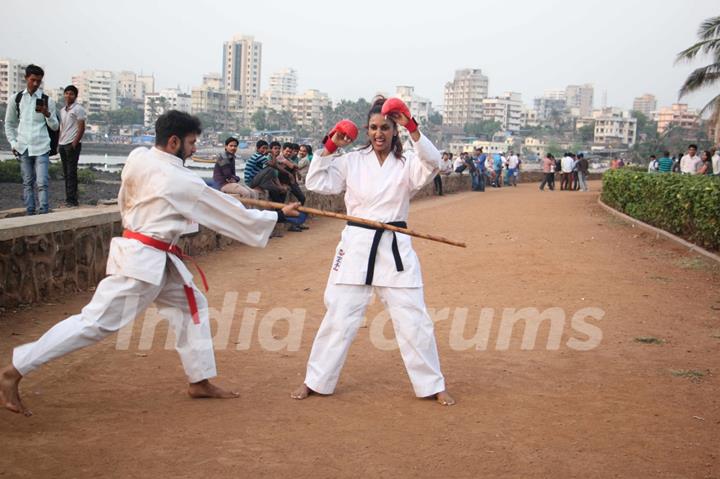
(302, 392)
(10, 393)
(206, 389)
(444, 398)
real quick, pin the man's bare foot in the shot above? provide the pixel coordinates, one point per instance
(206, 389)
(10, 393)
(302, 392)
(444, 398)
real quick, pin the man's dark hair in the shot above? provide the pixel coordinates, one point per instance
(581, 155)
(71, 88)
(230, 139)
(34, 70)
(666, 153)
(260, 144)
(653, 156)
(175, 123)
(274, 144)
(692, 145)
(287, 144)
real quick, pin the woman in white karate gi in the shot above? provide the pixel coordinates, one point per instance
(378, 181)
(158, 197)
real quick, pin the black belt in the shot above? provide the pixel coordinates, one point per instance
(374, 247)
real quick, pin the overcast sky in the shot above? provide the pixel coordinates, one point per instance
(626, 47)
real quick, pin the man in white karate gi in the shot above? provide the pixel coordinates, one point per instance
(158, 198)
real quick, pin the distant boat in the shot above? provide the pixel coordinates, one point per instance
(200, 159)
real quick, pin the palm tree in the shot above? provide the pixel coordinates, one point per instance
(709, 44)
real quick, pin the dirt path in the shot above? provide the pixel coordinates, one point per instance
(616, 410)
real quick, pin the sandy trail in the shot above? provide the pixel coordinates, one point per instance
(616, 410)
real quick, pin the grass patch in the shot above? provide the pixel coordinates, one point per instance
(692, 263)
(649, 340)
(661, 279)
(691, 374)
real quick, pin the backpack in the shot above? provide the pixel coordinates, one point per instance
(53, 134)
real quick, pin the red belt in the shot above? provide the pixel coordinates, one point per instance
(174, 250)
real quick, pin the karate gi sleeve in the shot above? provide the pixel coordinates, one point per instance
(327, 174)
(229, 217)
(424, 164)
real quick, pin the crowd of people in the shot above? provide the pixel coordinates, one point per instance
(689, 163)
(573, 169)
(496, 169)
(273, 171)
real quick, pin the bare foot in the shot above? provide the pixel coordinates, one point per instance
(302, 392)
(444, 398)
(206, 389)
(9, 392)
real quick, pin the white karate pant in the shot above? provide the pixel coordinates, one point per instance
(116, 302)
(414, 331)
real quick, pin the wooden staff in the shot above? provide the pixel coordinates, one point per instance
(271, 205)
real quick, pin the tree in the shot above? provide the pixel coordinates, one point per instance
(435, 118)
(486, 128)
(704, 77)
(587, 133)
(259, 119)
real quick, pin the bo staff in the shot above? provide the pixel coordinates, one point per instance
(271, 205)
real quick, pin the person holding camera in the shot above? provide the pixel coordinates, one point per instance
(29, 117)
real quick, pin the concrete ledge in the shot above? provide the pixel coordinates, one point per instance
(75, 218)
(690, 246)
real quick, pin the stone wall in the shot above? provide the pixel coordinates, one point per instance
(48, 257)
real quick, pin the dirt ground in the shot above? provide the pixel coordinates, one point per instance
(621, 409)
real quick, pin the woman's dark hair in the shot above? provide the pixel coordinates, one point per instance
(231, 139)
(308, 148)
(175, 123)
(376, 109)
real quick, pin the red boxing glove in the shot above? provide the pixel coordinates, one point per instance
(347, 128)
(396, 105)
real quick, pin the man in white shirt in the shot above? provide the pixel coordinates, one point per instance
(158, 198)
(690, 163)
(512, 164)
(29, 116)
(566, 168)
(72, 129)
(716, 161)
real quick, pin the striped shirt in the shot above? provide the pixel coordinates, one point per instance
(665, 164)
(253, 166)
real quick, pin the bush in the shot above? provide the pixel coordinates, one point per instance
(86, 176)
(10, 171)
(688, 206)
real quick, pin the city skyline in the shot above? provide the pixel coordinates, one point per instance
(349, 59)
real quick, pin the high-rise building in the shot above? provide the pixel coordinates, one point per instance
(615, 128)
(420, 107)
(678, 115)
(579, 99)
(159, 102)
(242, 59)
(98, 90)
(12, 78)
(505, 109)
(284, 82)
(645, 104)
(464, 96)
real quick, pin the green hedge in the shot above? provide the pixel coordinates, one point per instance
(10, 173)
(688, 206)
